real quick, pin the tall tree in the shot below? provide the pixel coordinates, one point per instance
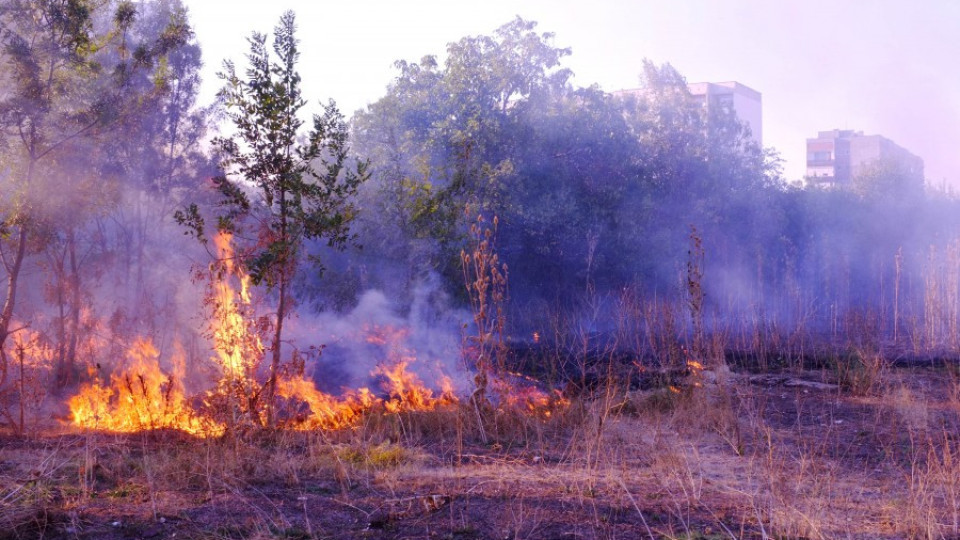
(159, 155)
(278, 187)
(66, 72)
(444, 136)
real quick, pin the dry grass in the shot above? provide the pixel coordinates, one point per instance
(727, 460)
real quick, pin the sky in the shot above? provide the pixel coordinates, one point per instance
(888, 67)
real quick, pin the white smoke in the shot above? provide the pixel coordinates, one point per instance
(377, 333)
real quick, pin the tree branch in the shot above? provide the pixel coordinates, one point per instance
(66, 139)
(3, 259)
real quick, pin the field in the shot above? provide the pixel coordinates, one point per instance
(853, 450)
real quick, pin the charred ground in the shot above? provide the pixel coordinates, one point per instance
(790, 454)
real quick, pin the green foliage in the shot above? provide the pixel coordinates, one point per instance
(588, 186)
(380, 457)
(442, 138)
(303, 189)
(887, 180)
(278, 187)
(161, 148)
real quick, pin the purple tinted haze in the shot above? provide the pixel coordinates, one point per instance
(882, 66)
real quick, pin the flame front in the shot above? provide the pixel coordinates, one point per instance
(238, 348)
(325, 411)
(138, 395)
(403, 389)
(535, 401)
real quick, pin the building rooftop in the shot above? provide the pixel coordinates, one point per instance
(701, 88)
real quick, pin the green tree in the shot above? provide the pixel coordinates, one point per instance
(444, 137)
(159, 154)
(699, 166)
(66, 73)
(890, 180)
(280, 188)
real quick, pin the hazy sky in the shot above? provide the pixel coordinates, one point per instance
(881, 66)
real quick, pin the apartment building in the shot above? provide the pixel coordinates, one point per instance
(745, 102)
(838, 156)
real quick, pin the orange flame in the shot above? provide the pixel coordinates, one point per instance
(408, 393)
(141, 397)
(404, 389)
(532, 400)
(239, 350)
(326, 411)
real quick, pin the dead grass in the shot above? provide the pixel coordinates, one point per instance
(728, 460)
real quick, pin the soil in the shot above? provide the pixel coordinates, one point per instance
(733, 455)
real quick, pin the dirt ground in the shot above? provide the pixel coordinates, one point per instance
(799, 455)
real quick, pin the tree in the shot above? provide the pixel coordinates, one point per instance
(281, 189)
(889, 179)
(66, 76)
(574, 168)
(159, 154)
(445, 136)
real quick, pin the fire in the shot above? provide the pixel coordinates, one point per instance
(326, 411)
(239, 349)
(408, 393)
(140, 396)
(385, 336)
(533, 400)
(404, 391)
(236, 340)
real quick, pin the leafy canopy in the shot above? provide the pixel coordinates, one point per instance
(294, 188)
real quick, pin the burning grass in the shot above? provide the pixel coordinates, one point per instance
(811, 462)
(858, 449)
(140, 395)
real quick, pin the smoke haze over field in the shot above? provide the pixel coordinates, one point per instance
(374, 334)
(261, 315)
(884, 67)
(500, 202)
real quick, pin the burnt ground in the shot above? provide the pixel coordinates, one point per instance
(804, 454)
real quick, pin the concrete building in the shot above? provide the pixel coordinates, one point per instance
(837, 157)
(744, 101)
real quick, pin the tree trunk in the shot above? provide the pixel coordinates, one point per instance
(74, 288)
(60, 276)
(276, 353)
(6, 315)
(281, 313)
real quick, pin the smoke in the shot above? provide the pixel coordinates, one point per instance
(345, 349)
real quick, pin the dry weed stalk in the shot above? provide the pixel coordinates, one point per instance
(695, 294)
(931, 506)
(486, 283)
(897, 284)
(34, 364)
(941, 300)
